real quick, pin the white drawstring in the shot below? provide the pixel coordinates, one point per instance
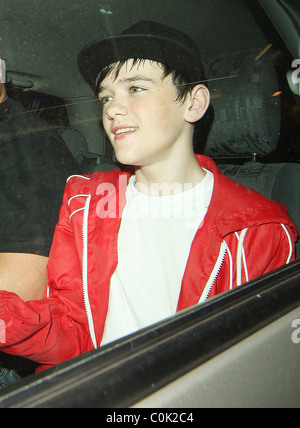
(239, 257)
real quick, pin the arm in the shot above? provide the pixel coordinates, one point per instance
(54, 329)
(267, 248)
(24, 275)
(2, 93)
(257, 251)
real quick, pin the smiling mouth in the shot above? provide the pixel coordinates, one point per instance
(125, 131)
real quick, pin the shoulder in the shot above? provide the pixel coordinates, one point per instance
(77, 184)
(235, 207)
(90, 183)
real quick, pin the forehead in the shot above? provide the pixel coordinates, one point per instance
(132, 70)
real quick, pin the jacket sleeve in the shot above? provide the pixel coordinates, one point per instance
(267, 248)
(256, 251)
(54, 329)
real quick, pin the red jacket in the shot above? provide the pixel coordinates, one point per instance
(243, 236)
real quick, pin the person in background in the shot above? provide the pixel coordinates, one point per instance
(34, 166)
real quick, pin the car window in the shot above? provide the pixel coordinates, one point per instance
(253, 123)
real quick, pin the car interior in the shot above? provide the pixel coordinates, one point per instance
(246, 125)
(252, 127)
(248, 133)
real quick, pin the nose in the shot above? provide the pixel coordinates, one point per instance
(117, 107)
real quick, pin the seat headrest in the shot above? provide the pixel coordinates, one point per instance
(75, 141)
(246, 114)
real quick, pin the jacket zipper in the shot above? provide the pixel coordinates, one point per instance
(215, 273)
(85, 272)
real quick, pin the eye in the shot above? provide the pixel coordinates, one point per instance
(105, 100)
(136, 89)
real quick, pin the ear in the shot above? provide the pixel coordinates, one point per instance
(198, 104)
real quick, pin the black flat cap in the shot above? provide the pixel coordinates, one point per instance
(144, 40)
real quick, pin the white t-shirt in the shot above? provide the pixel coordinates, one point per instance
(154, 242)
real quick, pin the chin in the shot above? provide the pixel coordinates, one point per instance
(126, 158)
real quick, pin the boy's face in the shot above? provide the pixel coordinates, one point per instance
(141, 116)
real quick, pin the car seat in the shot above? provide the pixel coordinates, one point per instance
(74, 140)
(245, 122)
(77, 144)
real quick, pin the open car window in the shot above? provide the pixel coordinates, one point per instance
(251, 131)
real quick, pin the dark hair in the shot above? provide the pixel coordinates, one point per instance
(179, 80)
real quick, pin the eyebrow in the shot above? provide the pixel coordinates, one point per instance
(130, 80)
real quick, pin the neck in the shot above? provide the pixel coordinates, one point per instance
(169, 177)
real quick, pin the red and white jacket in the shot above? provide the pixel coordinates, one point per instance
(243, 236)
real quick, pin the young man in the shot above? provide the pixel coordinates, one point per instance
(134, 246)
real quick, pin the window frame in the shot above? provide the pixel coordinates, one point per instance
(125, 372)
